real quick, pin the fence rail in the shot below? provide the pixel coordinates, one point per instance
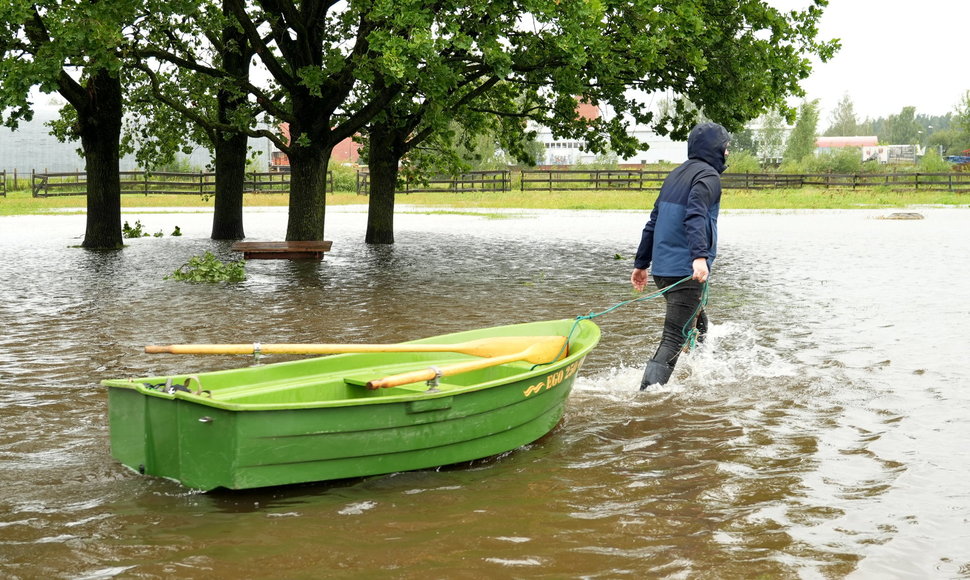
(563, 180)
(954, 182)
(472, 181)
(596, 179)
(160, 183)
(201, 183)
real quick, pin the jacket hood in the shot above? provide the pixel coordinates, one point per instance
(708, 142)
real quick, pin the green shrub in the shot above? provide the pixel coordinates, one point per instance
(931, 162)
(136, 231)
(208, 268)
(344, 178)
(794, 167)
(844, 160)
(743, 162)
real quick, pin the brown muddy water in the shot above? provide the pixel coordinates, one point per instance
(821, 432)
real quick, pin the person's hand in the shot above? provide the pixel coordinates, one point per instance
(639, 279)
(700, 270)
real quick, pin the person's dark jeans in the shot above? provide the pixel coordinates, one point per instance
(683, 306)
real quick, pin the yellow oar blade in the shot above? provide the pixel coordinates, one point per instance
(485, 347)
(540, 353)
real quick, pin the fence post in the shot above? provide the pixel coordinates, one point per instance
(34, 188)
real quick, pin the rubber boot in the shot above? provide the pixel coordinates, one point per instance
(656, 373)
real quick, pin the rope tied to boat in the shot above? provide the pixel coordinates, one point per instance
(689, 331)
(169, 387)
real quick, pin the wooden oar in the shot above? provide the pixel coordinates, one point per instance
(539, 353)
(484, 347)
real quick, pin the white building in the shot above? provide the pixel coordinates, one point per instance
(32, 147)
(571, 152)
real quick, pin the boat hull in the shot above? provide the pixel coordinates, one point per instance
(312, 420)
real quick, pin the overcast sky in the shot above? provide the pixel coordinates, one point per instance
(895, 53)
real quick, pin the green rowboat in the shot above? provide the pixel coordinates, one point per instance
(350, 415)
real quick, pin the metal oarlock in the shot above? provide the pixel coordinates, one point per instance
(434, 381)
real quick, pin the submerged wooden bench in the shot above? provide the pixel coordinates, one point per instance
(282, 250)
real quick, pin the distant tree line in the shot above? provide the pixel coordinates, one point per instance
(770, 138)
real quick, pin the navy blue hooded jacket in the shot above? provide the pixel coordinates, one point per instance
(683, 223)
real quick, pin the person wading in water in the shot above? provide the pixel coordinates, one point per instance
(680, 241)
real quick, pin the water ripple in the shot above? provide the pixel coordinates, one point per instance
(815, 434)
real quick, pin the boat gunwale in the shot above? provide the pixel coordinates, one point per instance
(445, 389)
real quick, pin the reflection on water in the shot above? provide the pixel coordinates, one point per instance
(820, 432)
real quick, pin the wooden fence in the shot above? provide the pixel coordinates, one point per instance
(954, 182)
(598, 180)
(3, 183)
(138, 182)
(595, 179)
(160, 183)
(472, 181)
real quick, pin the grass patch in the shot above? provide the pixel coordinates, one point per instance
(22, 203)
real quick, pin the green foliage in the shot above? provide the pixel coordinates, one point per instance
(932, 162)
(790, 166)
(207, 269)
(962, 117)
(744, 141)
(949, 141)
(344, 178)
(335, 66)
(844, 122)
(742, 162)
(770, 139)
(801, 142)
(733, 61)
(842, 160)
(903, 128)
(138, 231)
(177, 164)
(603, 161)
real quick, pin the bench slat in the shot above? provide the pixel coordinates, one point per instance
(283, 250)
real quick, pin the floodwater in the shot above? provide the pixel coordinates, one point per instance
(821, 432)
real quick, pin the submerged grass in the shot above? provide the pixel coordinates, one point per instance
(22, 203)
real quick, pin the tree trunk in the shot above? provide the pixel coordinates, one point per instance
(308, 191)
(382, 163)
(227, 221)
(99, 126)
(231, 148)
